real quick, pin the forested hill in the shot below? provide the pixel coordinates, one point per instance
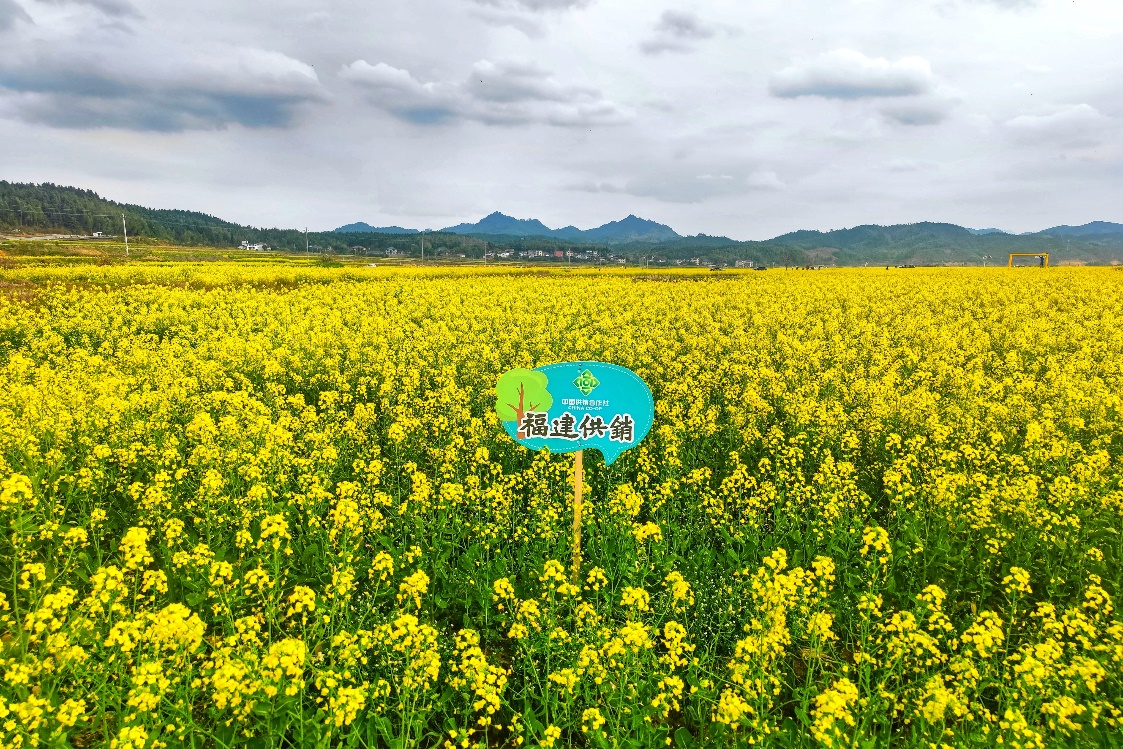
(73, 210)
(928, 243)
(48, 208)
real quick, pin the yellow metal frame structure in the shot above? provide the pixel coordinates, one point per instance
(1045, 255)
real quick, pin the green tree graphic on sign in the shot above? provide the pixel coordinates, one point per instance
(519, 391)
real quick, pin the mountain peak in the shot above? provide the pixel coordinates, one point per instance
(1094, 227)
(629, 229)
(501, 223)
(632, 229)
(362, 227)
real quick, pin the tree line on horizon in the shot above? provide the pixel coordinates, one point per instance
(50, 208)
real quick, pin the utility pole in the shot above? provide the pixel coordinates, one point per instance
(423, 248)
(305, 240)
(126, 230)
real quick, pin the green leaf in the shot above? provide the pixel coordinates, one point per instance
(531, 720)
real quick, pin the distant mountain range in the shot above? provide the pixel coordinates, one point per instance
(1095, 228)
(360, 227)
(635, 229)
(630, 229)
(1087, 230)
(922, 243)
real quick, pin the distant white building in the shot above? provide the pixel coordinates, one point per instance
(743, 264)
(246, 245)
(97, 234)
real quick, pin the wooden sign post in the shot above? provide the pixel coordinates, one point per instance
(578, 496)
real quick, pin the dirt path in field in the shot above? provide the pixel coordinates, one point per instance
(45, 237)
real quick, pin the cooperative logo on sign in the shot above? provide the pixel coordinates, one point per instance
(586, 382)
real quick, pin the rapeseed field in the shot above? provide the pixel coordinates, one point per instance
(266, 507)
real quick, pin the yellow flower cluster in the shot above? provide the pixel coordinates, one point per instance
(274, 504)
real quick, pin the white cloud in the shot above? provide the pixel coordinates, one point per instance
(676, 185)
(849, 74)
(120, 8)
(764, 180)
(1011, 4)
(684, 25)
(397, 91)
(123, 75)
(504, 92)
(676, 31)
(1076, 126)
(10, 12)
(1065, 119)
(657, 45)
(922, 111)
(535, 5)
(527, 16)
(527, 22)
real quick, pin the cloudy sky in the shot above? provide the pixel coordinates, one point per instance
(747, 118)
